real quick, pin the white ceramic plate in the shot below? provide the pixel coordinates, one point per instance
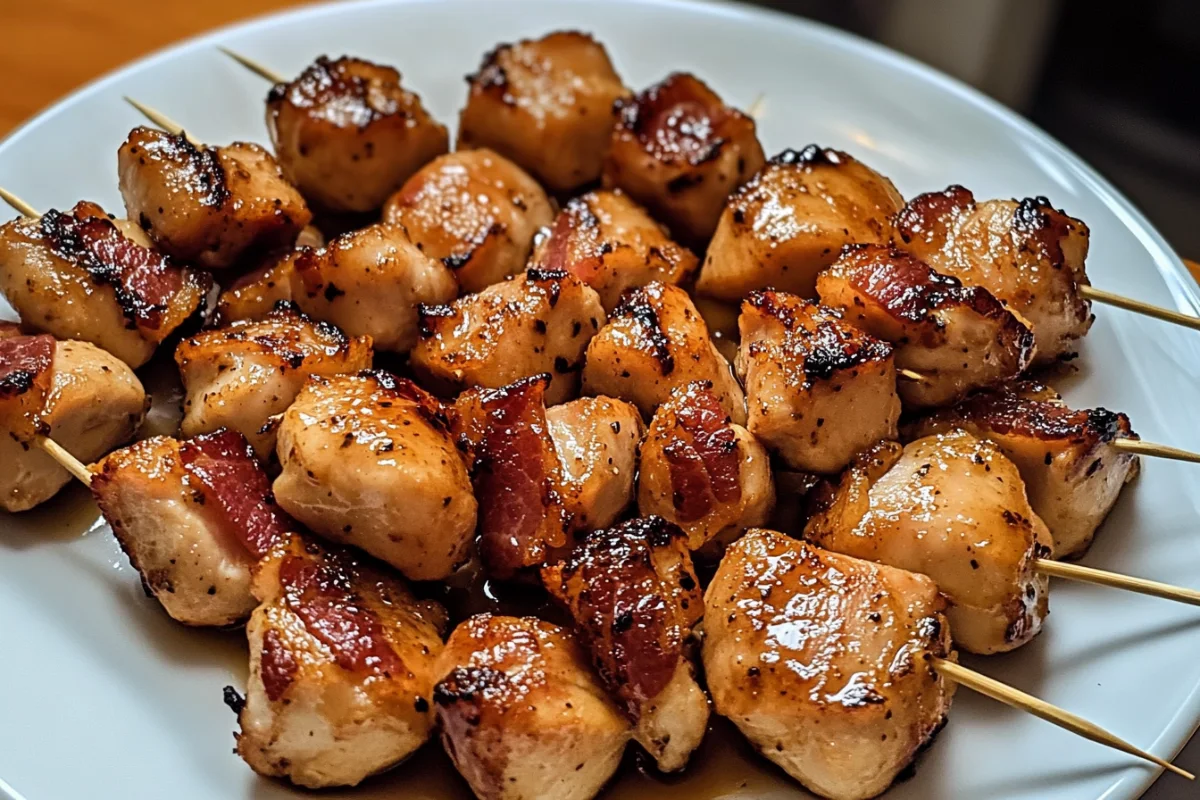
(101, 696)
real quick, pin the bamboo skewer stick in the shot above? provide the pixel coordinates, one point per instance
(162, 120)
(1100, 577)
(18, 205)
(1010, 696)
(1138, 307)
(65, 460)
(912, 375)
(254, 66)
(1155, 450)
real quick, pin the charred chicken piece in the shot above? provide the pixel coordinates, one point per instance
(547, 104)
(818, 389)
(703, 472)
(679, 150)
(1027, 253)
(240, 376)
(475, 211)
(254, 294)
(634, 598)
(952, 507)
(821, 661)
(1071, 471)
(193, 516)
(211, 206)
(610, 243)
(791, 220)
(959, 338)
(522, 715)
(83, 275)
(347, 134)
(368, 461)
(656, 341)
(538, 322)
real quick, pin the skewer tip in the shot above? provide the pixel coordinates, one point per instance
(258, 69)
(18, 205)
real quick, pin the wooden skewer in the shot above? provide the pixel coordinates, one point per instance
(755, 110)
(67, 461)
(1137, 306)
(911, 375)
(18, 205)
(162, 120)
(1100, 577)
(1155, 450)
(258, 69)
(1010, 696)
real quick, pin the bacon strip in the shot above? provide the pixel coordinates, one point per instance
(704, 463)
(25, 363)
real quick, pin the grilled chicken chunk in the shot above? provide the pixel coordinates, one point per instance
(254, 294)
(610, 243)
(208, 205)
(522, 715)
(791, 220)
(82, 275)
(475, 211)
(342, 661)
(634, 598)
(240, 376)
(952, 507)
(656, 341)
(1071, 471)
(679, 150)
(76, 394)
(370, 282)
(193, 516)
(538, 322)
(1027, 253)
(347, 134)
(820, 660)
(596, 440)
(547, 104)
(368, 461)
(818, 390)
(960, 338)
(702, 471)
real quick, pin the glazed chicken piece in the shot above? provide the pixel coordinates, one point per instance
(656, 341)
(610, 243)
(476, 212)
(193, 516)
(83, 275)
(240, 376)
(679, 150)
(703, 472)
(1071, 470)
(255, 294)
(818, 389)
(210, 206)
(959, 338)
(820, 660)
(522, 715)
(547, 104)
(596, 440)
(368, 461)
(342, 661)
(1027, 253)
(952, 507)
(74, 393)
(370, 282)
(347, 134)
(538, 322)
(634, 598)
(791, 220)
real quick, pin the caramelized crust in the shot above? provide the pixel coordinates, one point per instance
(26, 372)
(679, 150)
(347, 134)
(254, 294)
(791, 220)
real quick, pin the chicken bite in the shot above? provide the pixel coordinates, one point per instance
(368, 461)
(254, 294)
(342, 663)
(818, 390)
(611, 244)
(208, 205)
(240, 376)
(656, 341)
(821, 661)
(538, 322)
(476, 212)
(952, 507)
(702, 471)
(522, 714)
(958, 338)
(596, 440)
(1027, 253)
(679, 150)
(791, 220)
(547, 104)
(347, 134)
